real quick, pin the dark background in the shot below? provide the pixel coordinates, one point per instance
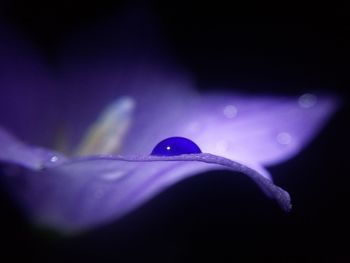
(219, 216)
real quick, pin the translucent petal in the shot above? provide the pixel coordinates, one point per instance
(264, 129)
(253, 129)
(90, 191)
(15, 152)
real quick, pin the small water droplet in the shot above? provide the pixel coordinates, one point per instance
(307, 100)
(284, 138)
(54, 159)
(99, 192)
(175, 146)
(230, 111)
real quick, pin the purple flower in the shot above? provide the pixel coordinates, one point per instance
(81, 155)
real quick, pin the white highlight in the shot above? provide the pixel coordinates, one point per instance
(230, 111)
(115, 175)
(307, 100)
(54, 159)
(284, 138)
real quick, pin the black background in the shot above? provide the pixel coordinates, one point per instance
(285, 47)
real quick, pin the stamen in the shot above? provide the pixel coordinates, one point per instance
(105, 136)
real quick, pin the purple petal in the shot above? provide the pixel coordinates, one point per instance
(254, 129)
(15, 152)
(258, 129)
(88, 192)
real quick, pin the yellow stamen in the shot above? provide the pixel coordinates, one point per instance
(105, 136)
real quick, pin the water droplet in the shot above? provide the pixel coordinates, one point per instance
(307, 100)
(284, 138)
(53, 159)
(175, 146)
(230, 111)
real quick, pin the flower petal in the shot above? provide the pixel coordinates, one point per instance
(259, 129)
(15, 152)
(254, 129)
(91, 191)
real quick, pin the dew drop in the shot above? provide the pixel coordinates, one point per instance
(307, 100)
(284, 138)
(175, 146)
(230, 111)
(54, 159)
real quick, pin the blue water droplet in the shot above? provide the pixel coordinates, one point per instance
(175, 146)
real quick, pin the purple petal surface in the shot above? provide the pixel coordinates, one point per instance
(251, 129)
(82, 193)
(264, 129)
(15, 152)
(90, 191)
